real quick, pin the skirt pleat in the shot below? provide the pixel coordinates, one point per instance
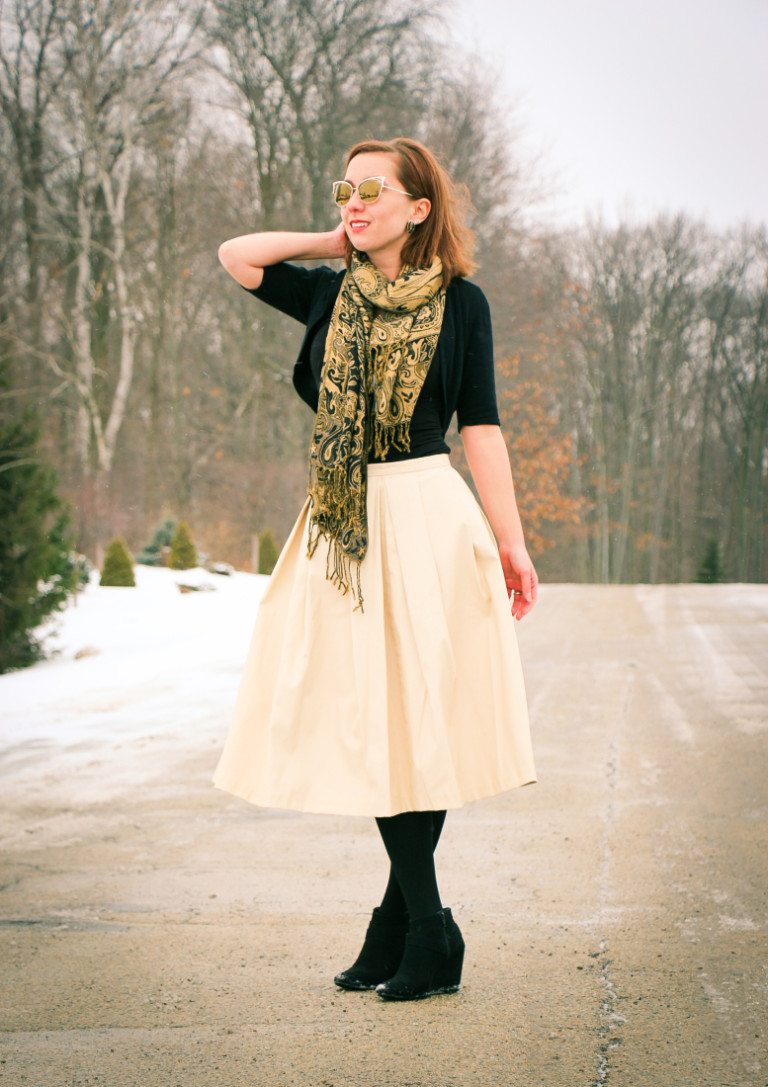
(415, 703)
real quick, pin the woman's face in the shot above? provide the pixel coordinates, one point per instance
(379, 228)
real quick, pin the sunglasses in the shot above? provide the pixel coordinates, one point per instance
(369, 190)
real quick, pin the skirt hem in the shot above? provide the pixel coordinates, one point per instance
(320, 809)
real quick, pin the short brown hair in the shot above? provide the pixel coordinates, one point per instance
(444, 232)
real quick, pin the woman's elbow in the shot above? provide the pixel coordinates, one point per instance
(242, 271)
(479, 432)
(226, 252)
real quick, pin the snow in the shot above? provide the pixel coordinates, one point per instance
(167, 662)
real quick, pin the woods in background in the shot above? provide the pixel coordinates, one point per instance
(136, 136)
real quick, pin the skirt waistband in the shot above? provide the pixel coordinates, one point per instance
(413, 464)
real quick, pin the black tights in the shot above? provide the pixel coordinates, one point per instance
(410, 839)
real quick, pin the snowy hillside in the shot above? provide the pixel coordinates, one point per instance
(165, 662)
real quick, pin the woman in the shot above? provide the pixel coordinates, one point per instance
(383, 677)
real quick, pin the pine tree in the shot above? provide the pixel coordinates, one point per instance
(38, 568)
(183, 554)
(118, 565)
(710, 568)
(152, 555)
(268, 552)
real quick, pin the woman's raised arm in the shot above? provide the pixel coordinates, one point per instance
(246, 257)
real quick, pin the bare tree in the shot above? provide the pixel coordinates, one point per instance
(635, 297)
(312, 77)
(735, 401)
(32, 68)
(121, 58)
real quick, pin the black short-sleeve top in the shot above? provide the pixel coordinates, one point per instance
(460, 378)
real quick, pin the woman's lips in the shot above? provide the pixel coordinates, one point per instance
(357, 225)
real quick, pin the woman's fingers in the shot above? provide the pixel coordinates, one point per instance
(526, 580)
(521, 607)
(521, 580)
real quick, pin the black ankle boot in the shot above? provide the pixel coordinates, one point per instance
(432, 960)
(455, 939)
(381, 952)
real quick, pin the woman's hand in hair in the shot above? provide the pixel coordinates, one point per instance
(338, 241)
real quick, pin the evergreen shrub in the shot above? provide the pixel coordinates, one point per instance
(183, 554)
(711, 567)
(268, 553)
(118, 564)
(155, 552)
(38, 566)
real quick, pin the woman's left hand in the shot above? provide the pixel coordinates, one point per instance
(521, 578)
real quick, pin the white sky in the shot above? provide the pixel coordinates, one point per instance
(638, 107)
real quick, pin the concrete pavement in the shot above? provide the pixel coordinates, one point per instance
(615, 913)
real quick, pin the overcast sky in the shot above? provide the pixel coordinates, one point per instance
(638, 106)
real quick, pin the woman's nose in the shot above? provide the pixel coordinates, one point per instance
(355, 203)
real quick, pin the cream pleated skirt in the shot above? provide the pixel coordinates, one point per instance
(415, 703)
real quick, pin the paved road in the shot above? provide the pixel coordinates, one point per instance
(615, 912)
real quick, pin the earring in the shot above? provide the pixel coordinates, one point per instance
(410, 226)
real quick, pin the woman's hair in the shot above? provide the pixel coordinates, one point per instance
(444, 232)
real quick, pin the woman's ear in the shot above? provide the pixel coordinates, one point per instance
(421, 210)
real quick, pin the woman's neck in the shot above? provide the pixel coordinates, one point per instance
(389, 264)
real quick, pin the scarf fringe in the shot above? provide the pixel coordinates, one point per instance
(334, 504)
(331, 517)
(386, 435)
(342, 574)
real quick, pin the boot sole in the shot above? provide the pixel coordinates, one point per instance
(355, 986)
(420, 996)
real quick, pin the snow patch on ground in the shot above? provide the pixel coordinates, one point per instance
(165, 662)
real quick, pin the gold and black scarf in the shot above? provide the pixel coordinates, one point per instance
(380, 343)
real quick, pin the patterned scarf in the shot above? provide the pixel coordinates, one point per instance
(380, 343)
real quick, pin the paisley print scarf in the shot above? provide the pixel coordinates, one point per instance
(380, 343)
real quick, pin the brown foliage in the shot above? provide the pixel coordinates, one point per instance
(542, 458)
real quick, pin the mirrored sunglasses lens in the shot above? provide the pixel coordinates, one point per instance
(369, 190)
(342, 191)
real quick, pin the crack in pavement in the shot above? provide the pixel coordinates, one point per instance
(609, 1019)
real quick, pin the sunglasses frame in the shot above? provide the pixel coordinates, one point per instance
(355, 188)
